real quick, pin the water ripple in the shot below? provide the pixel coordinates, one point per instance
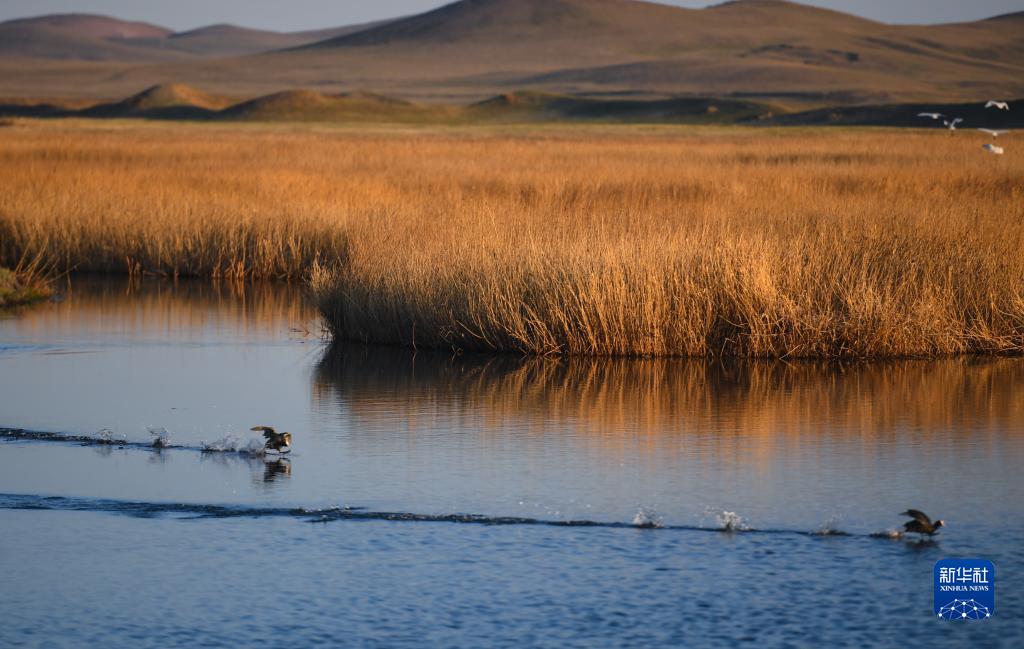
(347, 513)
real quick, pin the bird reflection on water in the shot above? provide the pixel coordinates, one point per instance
(103, 450)
(276, 469)
(266, 470)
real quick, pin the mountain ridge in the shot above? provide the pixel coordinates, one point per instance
(472, 49)
(97, 37)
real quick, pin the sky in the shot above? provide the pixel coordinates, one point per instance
(295, 15)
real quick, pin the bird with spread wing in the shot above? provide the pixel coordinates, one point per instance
(280, 442)
(921, 524)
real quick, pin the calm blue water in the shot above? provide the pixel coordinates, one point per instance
(427, 497)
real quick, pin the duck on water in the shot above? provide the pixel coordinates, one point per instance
(280, 442)
(921, 524)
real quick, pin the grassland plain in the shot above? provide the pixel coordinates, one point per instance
(595, 240)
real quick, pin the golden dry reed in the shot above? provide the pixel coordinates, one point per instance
(599, 241)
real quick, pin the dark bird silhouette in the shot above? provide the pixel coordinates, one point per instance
(280, 442)
(921, 524)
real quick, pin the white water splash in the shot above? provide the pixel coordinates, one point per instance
(254, 447)
(161, 438)
(829, 528)
(647, 518)
(226, 444)
(233, 444)
(727, 521)
(731, 522)
(108, 436)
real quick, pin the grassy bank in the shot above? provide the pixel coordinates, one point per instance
(603, 241)
(20, 288)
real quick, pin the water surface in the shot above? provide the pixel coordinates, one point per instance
(427, 495)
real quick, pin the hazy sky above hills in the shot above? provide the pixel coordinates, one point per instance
(314, 14)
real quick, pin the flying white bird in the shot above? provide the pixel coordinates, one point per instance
(1001, 105)
(992, 132)
(931, 115)
(952, 125)
(993, 149)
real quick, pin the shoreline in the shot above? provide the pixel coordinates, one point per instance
(21, 288)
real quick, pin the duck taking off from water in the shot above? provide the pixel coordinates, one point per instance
(280, 442)
(921, 524)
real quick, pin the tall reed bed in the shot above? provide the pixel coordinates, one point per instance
(606, 241)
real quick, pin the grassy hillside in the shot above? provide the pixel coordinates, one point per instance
(472, 49)
(307, 105)
(182, 102)
(78, 36)
(229, 40)
(169, 101)
(88, 37)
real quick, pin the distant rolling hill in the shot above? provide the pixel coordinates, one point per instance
(763, 47)
(762, 50)
(536, 106)
(223, 40)
(78, 37)
(87, 37)
(169, 101)
(307, 105)
(182, 102)
(231, 40)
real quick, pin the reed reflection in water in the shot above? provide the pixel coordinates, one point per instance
(818, 437)
(183, 310)
(198, 358)
(658, 396)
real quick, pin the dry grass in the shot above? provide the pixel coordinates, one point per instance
(23, 285)
(613, 241)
